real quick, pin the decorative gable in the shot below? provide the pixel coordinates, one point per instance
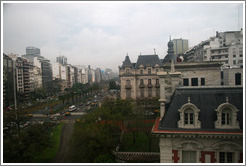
(189, 116)
(226, 116)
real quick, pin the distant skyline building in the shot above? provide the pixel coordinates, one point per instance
(32, 52)
(61, 60)
(180, 46)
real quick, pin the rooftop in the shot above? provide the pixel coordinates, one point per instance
(207, 99)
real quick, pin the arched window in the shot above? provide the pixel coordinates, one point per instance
(189, 116)
(226, 116)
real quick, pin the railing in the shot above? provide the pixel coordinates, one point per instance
(128, 86)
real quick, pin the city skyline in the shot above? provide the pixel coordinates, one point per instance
(101, 34)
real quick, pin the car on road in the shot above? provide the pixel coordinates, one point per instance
(67, 114)
(72, 108)
(148, 113)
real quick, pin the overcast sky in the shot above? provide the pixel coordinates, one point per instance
(101, 34)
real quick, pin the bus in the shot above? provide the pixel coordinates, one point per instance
(72, 108)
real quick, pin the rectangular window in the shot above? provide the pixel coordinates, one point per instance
(194, 81)
(149, 81)
(185, 82)
(186, 118)
(238, 79)
(149, 71)
(127, 71)
(226, 157)
(128, 82)
(202, 81)
(221, 74)
(141, 71)
(141, 82)
(189, 156)
(225, 119)
(128, 93)
(157, 82)
(191, 118)
(234, 62)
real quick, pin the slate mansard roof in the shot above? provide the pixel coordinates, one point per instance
(148, 61)
(207, 99)
(145, 60)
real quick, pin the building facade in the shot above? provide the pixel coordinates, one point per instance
(202, 125)
(25, 77)
(8, 81)
(225, 47)
(139, 80)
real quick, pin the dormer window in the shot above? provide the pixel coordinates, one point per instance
(226, 116)
(127, 71)
(189, 116)
(149, 71)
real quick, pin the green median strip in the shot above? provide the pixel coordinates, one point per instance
(49, 153)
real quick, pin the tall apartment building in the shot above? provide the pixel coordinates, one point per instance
(226, 47)
(46, 75)
(61, 60)
(98, 75)
(8, 81)
(37, 72)
(24, 76)
(180, 46)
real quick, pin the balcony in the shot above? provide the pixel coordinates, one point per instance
(150, 85)
(128, 86)
(141, 86)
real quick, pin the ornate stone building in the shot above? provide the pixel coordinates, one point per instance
(201, 125)
(139, 80)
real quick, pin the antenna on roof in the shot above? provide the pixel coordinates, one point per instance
(154, 51)
(238, 17)
(170, 37)
(140, 53)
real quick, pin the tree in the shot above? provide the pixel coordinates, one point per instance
(112, 85)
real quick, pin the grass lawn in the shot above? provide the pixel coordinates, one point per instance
(49, 153)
